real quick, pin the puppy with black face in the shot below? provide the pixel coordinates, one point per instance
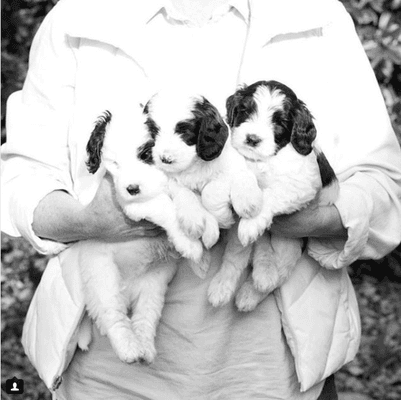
(274, 130)
(207, 176)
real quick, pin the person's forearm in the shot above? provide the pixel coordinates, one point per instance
(312, 221)
(60, 217)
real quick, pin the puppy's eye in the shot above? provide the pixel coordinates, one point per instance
(146, 155)
(145, 152)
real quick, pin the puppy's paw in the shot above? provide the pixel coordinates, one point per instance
(211, 233)
(247, 202)
(148, 352)
(125, 344)
(247, 297)
(189, 248)
(223, 215)
(145, 335)
(250, 229)
(148, 355)
(220, 291)
(226, 220)
(193, 224)
(201, 268)
(266, 278)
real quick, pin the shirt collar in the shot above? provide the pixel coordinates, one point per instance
(155, 7)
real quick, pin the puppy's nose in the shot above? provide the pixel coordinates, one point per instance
(252, 140)
(133, 190)
(166, 160)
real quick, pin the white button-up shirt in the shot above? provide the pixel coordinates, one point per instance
(128, 50)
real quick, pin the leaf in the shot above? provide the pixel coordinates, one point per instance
(355, 370)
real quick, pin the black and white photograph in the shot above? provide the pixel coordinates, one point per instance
(201, 200)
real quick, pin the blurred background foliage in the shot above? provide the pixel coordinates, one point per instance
(376, 371)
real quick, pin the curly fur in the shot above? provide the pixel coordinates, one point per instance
(130, 276)
(274, 131)
(208, 179)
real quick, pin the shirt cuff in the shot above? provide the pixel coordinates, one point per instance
(355, 209)
(22, 206)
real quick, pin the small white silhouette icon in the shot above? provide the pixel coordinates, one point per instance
(15, 389)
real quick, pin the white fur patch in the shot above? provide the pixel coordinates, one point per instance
(124, 137)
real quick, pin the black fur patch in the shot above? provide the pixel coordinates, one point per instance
(304, 131)
(145, 152)
(241, 105)
(327, 173)
(95, 143)
(188, 131)
(212, 132)
(153, 128)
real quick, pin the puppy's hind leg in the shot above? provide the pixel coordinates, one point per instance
(148, 300)
(287, 252)
(274, 259)
(248, 297)
(104, 300)
(265, 273)
(235, 260)
(201, 267)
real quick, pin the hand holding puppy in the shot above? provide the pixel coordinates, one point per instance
(312, 221)
(105, 219)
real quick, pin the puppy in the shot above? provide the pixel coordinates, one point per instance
(208, 179)
(131, 276)
(274, 131)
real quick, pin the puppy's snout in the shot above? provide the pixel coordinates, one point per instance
(166, 160)
(252, 140)
(133, 190)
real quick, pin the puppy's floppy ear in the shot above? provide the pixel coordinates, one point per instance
(232, 104)
(213, 132)
(303, 131)
(145, 108)
(95, 143)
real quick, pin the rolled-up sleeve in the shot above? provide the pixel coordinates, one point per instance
(35, 158)
(365, 153)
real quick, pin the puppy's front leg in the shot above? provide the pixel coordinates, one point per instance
(194, 219)
(280, 197)
(216, 199)
(161, 211)
(245, 194)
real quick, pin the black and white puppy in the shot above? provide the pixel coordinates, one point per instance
(119, 276)
(274, 130)
(205, 172)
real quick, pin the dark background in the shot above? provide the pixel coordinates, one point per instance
(376, 371)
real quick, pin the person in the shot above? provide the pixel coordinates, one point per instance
(90, 53)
